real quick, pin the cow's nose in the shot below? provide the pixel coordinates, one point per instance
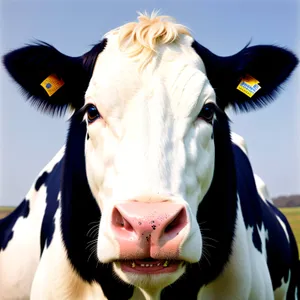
(145, 229)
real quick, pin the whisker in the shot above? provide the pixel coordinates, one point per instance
(93, 251)
(205, 255)
(93, 228)
(209, 238)
(208, 245)
(93, 232)
(201, 223)
(92, 242)
(97, 222)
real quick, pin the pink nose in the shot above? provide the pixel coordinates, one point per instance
(145, 229)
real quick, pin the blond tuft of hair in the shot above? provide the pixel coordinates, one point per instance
(141, 38)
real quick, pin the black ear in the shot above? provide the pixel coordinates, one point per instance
(51, 80)
(249, 79)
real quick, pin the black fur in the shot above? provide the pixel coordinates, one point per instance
(30, 65)
(53, 185)
(270, 65)
(282, 256)
(41, 180)
(7, 224)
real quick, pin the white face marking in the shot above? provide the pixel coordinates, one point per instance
(149, 140)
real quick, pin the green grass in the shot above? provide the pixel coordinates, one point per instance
(7, 208)
(293, 216)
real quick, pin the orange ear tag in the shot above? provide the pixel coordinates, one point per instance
(52, 84)
(249, 86)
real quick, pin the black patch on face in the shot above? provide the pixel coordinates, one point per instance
(282, 256)
(79, 213)
(7, 224)
(87, 136)
(52, 188)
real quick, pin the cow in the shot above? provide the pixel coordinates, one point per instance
(149, 198)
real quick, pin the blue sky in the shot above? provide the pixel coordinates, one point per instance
(28, 139)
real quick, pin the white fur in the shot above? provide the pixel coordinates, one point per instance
(239, 141)
(262, 189)
(281, 292)
(149, 140)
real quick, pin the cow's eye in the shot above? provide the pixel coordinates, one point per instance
(207, 112)
(92, 114)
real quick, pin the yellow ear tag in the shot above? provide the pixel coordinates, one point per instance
(52, 84)
(249, 86)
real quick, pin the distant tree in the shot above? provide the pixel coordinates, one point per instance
(287, 201)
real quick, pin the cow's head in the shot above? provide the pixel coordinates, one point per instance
(149, 95)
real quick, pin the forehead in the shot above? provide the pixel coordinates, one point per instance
(175, 71)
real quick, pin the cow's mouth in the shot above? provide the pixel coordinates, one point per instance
(150, 266)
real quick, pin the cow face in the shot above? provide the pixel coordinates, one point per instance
(148, 94)
(149, 156)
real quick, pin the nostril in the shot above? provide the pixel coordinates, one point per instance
(127, 226)
(171, 226)
(177, 224)
(120, 222)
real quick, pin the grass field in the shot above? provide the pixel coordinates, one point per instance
(292, 214)
(5, 210)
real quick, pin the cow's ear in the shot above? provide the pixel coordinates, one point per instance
(249, 79)
(51, 80)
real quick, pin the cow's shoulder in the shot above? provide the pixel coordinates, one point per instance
(37, 200)
(50, 180)
(268, 228)
(21, 231)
